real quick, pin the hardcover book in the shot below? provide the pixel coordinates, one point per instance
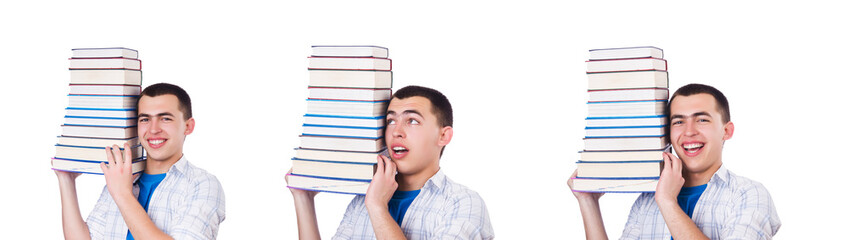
(349, 51)
(350, 63)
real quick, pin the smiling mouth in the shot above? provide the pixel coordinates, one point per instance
(692, 147)
(156, 142)
(400, 150)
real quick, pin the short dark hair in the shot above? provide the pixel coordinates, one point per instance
(723, 107)
(441, 107)
(160, 89)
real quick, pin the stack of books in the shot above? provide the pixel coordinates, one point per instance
(349, 91)
(102, 109)
(626, 123)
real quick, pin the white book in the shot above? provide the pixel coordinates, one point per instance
(627, 52)
(92, 153)
(336, 120)
(327, 184)
(102, 101)
(91, 167)
(349, 51)
(339, 156)
(99, 131)
(617, 65)
(342, 143)
(106, 76)
(632, 79)
(117, 52)
(95, 142)
(626, 109)
(100, 121)
(363, 171)
(343, 131)
(350, 79)
(632, 94)
(657, 120)
(618, 169)
(625, 143)
(356, 94)
(350, 63)
(98, 89)
(614, 185)
(346, 108)
(625, 132)
(105, 63)
(102, 112)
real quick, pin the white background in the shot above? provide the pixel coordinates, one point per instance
(514, 73)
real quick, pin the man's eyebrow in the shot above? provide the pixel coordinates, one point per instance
(141, 115)
(410, 111)
(693, 115)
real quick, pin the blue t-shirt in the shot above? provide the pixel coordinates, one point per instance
(400, 202)
(147, 183)
(688, 197)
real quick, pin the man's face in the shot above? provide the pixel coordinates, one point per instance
(162, 128)
(413, 134)
(697, 132)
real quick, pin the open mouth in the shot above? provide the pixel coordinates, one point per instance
(692, 148)
(399, 152)
(156, 143)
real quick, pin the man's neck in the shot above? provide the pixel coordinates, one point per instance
(153, 166)
(700, 178)
(411, 182)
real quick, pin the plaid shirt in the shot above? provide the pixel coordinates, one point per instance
(732, 207)
(442, 210)
(188, 204)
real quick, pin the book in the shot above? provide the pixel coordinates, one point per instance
(631, 79)
(333, 185)
(99, 89)
(625, 143)
(342, 143)
(91, 153)
(619, 65)
(95, 142)
(626, 52)
(343, 131)
(353, 121)
(622, 156)
(90, 167)
(102, 112)
(349, 51)
(101, 121)
(631, 94)
(626, 108)
(624, 185)
(115, 52)
(105, 101)
(350, 63)
(337, 155)
(355, 94)
(606, 169)
(625, 131)
(350, 79)
(345, 107)
(105, 63)
(634, 121)
(349, 170)
(106, 76)
(98, 131)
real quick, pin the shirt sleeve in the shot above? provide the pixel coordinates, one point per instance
(468, 219)
(753, 215)
(96, 222)
(347, 226)
(202, 213)
(633, 226)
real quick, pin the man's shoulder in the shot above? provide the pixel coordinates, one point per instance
(196, 176)
(742, 185)
(455, 193)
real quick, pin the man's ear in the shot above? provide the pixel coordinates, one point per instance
(189, 126)
(445, 136)
(728, 130)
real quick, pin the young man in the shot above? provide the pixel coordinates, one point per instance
(171, 199)
(696, 197)
(409, 196)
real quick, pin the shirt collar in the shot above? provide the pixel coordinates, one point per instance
(436, 181)
(180, 166)
(721, 175)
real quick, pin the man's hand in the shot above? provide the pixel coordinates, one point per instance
(299, 193)
(583, 196)
(671, 180)
(383, 185)
(118, 173)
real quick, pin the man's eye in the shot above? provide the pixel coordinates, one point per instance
(704, 120)
(677, 122)
(413, 121)
(143, 120)
(390, 121)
